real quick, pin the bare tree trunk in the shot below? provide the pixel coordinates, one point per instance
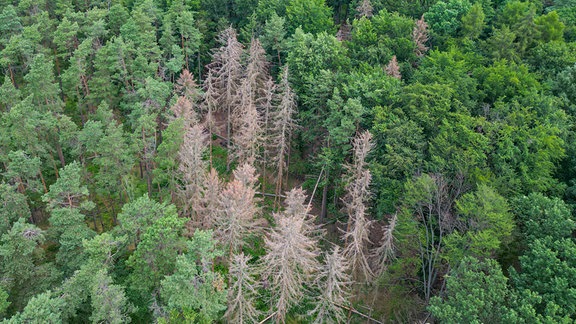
(324, 211)
(60, 154)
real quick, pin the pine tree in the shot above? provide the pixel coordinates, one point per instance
(241, 293)
(292, 249)
(420, 37)
(282, 127)
(109, 302)
(65, 201)
(358, 230)
(333, 285)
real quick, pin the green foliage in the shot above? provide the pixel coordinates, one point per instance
(43, 308)
(549, 262)
(376, 40)
(66, 200)
(156, 253)
(486, 224)
(194, 287)
(444, 18)
(476, 292)
(4, 303)
(542, 217)
(312, 16)
(18, 253)
(473, 22)
(482, 118)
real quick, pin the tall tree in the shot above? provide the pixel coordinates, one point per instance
(292, 249)
(476, 291)
(333, 285)
(226, 72)
(283, 124)
(242, 292)
(357, 233)
(239, 211)
(66, 200)
(155, 256)
(192, 168)
(195, 289)
(252, 95)
(109, 302)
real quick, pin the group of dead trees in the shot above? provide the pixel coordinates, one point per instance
(257, 118)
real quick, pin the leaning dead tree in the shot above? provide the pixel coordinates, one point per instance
(281, 129)
(290, 263)
(357, 233)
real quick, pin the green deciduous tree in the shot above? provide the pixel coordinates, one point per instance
(484, 225)
(313, 16)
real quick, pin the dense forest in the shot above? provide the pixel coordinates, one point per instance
(251, 161)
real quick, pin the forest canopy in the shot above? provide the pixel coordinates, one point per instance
(244, 161)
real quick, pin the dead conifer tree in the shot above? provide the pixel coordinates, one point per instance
(385, 251)
(241, 293)
(192, 169)
(420, 37)
(183, 108)
(248, 123)
(266, 106)
(248, 133)
(357, 233)
(209, 107)
(225, 73)
(238, 209)
(393, 69)
(282, 127)
(365, 9)
(333, 285)
(292, 249)
(186, 86)
(257, 70)
(208, 208)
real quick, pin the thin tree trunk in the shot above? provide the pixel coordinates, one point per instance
(324, 211)
(60, 154)
(43, 182)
